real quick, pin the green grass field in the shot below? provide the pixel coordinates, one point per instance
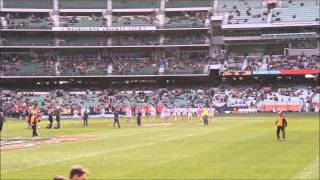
(231, 147)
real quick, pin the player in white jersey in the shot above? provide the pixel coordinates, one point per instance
(82, 110)
(168, 114)
(75, 114)
(184, 113)
(179, 111)
(153, 112)
(143, 111)
(211, 113)
(199, 113)
(174, 113)
(103, 113)
(128, 114)
(189, 113)
(163, 115)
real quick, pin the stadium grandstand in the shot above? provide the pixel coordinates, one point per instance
(164, 44)
(159, 89)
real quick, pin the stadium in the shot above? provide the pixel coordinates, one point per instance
(160, 89)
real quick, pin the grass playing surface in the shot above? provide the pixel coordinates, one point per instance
(231, 147)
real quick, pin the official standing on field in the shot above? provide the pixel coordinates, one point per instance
(50, 118)
(116, 118)
(85, 119)
(139, 116)
(33, 123)
(2, 120)
(57, 119)
(281, 126)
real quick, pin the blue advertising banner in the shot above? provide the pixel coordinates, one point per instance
(266, 72)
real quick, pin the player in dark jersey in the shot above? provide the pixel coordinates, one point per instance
(139, 116)
(116, 118)
(2, 120)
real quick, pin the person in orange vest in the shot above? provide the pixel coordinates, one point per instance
(33, 123)
(281, 123)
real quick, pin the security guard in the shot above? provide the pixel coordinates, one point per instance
(33, 123)
(281, 125)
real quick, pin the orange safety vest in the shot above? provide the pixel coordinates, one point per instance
(280, 121)
(33, 119)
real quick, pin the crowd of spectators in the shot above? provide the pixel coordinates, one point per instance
(83, 21)
(82, 65)
(104, 40)
(186, 19)
(96, 101)
(27, 21)
(30, 64)
(194, 63)
(254, 64)
(186, 39)
(274, 62)
(136, 20)
(293, 62)
(234, 63)
(135, 40)
(167, 64)
(289, 94)
(126, 66)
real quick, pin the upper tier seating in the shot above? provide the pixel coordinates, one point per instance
(29, 23)
(81, 21)
(133, 20)
(135, 4)
(187, 19)
(29, 41)
(35, 4)
(83, 4)
(296, 13)
(188, 3)
(26, 66)
(244, 11)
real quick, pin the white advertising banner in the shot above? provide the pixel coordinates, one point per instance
(126, 28)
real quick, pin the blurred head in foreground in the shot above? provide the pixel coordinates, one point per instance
(78, 173)
(59, 178)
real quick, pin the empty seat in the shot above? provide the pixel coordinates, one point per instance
(35, 4)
